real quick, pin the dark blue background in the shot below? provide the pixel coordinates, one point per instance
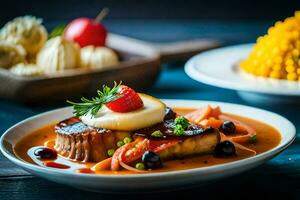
(152, 9)
(232, 22)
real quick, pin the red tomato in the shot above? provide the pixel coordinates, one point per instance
(86, 32)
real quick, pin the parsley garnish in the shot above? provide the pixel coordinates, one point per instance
(179, 130)
(157, 134)
(182, 121)
(253, 139)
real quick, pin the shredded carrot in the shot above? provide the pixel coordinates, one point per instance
(241, 138)
(212, 122)
(237, 145)
(102, 165)
(216, 112)
(200, 114)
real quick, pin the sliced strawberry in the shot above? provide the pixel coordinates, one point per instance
(129, 101)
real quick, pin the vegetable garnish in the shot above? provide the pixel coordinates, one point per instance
(120, 143)
(179, 130)
(110, 152)
(253, 139)
(181, 124)
(57, 31)
(140, 166)
(182, 121)
(93, 105)
(127, 140)
(157, 134)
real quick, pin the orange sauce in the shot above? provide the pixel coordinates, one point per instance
(267, 138)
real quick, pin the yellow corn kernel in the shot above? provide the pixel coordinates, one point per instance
(295, 52)
(276, 67)
(292, 76)
(290, 68)
(278, 59)
(275, 74)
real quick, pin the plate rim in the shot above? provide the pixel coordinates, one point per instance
(191, 70)
(239, 163)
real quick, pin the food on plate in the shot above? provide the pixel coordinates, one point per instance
(23, 69)
(27, 31)
(58, 54)
(85, 143)
(87, 31)
(123, 132)
(276, 54)
(98, 57)
(10, 54)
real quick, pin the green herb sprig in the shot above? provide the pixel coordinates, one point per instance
(57, 31)
(92, 106)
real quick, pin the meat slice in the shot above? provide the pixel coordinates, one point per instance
(195, 139)
(75, 140)
(198, 144)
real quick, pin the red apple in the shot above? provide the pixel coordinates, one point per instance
(86, 32)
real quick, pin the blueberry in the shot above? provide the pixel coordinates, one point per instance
(225, 148)
(151, 160)
(45, 153)
(227, 127)
(169, 114)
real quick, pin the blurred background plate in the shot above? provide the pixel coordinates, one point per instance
(220, 68)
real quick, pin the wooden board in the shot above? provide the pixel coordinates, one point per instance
(139, 68)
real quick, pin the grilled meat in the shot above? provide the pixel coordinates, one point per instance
(80, 142)
(195, 140)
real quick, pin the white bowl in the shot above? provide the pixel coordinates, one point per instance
(153, 181)
(219, 67)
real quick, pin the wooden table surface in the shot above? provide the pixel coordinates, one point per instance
(279, 177)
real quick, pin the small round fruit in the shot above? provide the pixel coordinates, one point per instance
(128, 101)
(120, 143)
(169, 114)
(151, 160)
(45, 153)
(225, 148)
(86, 32)
(127, 140)
(110, 152)
(140, 166)
(228, 127)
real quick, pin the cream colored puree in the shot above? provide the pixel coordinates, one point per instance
(267, 138)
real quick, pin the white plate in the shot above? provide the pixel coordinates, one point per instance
(219, 67)
(147, 182)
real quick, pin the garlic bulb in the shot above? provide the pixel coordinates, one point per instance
(97, 57)
(23, 69)
(58, 54)
(11, 54)
(27, 31)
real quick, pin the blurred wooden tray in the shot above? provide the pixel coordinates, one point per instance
(139, 68)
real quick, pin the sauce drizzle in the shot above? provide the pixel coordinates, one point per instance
(56, 165)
